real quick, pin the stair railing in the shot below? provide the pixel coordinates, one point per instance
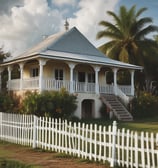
(122, 96)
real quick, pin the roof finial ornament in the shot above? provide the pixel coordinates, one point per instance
(66, 25)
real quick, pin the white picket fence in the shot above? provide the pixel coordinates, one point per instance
(99, 143)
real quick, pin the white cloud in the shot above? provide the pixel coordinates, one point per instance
(64, 2)
(7, 4)
(26, 25)
(90, 13)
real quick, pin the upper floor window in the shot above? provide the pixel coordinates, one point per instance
(59, 75)
(34, 72)
(91, 77)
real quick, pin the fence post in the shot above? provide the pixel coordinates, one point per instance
(114, 133)
(34, 131)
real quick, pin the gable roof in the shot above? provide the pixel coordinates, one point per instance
(74, 42)
(71, 46)
(71, 41)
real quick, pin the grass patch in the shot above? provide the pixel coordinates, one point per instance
(64, 155)
(4, 163)
(4, 153)
(146, 125)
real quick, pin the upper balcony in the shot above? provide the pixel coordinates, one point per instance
(77, 87)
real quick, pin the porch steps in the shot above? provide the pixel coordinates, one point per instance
(119, 110)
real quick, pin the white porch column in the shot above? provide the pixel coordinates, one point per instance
(41, 64)
(9, 76)
(132, 82)
(115, 80)
(71, 66)
(21, 75)
(97, 69)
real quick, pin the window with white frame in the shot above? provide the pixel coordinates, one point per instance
(59, 74)
(34, 72)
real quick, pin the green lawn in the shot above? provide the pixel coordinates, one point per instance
(146, 125)
(140, 126)
(5, 163)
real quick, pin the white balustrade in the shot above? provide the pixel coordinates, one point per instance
(52, 84)
(125, 89)
(14, 84)
(31, 83)
(123, 96)
(83, 87)
(109, 89)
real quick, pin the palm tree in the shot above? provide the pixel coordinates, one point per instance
(128, 36)
(129, 42)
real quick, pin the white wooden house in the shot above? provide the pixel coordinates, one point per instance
(69, 60)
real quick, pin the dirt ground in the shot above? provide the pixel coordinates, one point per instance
(43, 159)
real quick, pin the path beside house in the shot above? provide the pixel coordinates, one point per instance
(43, 159)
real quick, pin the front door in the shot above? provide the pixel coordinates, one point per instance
(87, 109)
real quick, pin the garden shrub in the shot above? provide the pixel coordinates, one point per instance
(53, 104)
(145, 106)
(8, 102)
(29, 104)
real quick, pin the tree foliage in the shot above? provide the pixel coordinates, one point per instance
(145, 106)
(4, 75)
(9, 103)
(3, 55)
(53, 103)
(128, 39)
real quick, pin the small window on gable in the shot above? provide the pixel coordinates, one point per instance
(59, 74)
(34, 72)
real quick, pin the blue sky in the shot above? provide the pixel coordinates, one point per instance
(24, 22)
(151, 5)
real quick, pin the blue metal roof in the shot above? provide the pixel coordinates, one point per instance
(71, 45)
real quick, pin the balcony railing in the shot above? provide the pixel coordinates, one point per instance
(31, 83)
(14, 84)
(51, 84)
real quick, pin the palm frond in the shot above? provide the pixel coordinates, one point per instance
(107, 46)
(149, 29)
(110, 27)
(141, 23)
(115, 17)
(109, 34)
(140, 11)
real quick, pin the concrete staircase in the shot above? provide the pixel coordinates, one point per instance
(118, 109)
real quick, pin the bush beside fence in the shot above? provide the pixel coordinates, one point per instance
(99, 143)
